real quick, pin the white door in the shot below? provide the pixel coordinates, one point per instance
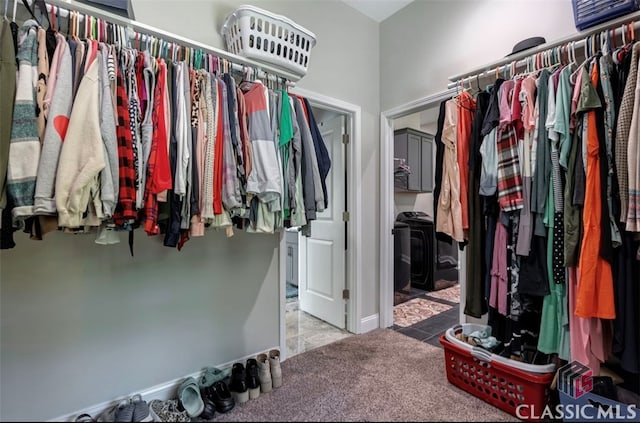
(322, 255)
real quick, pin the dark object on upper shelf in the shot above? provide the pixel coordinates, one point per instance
(119, 7)
(587, 13)
(527, 44)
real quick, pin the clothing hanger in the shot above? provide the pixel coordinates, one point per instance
(31, 12)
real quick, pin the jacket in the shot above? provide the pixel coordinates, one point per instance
(82, 155)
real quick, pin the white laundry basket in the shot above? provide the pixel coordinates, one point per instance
(264, 36)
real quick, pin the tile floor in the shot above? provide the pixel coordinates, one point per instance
(422, 315)
(305, 332)
(425, 315)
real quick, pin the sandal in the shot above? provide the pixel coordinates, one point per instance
(189, 395)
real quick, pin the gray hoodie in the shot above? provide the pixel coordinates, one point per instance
(109, 182)
(58, 120)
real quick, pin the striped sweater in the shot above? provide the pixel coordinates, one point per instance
(24, 149)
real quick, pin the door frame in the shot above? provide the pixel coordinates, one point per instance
(387, 203)
(353, 259)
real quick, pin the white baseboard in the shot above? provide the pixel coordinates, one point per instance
(162, 391)
(369, 323)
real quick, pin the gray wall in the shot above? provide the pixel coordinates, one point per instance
(429, 40)
(84, 323)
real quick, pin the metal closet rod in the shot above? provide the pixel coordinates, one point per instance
(237, 62)
(522, 59)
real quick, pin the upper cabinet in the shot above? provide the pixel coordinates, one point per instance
(413, 161)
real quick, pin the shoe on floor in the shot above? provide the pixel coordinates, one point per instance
(276, 371)
(252, 378)
(209, 411)
(189, 396)
(264, 373)
(140, 410)
(221, 396)
(238, 384)
(124, 412)
(167, 411)
(210, 376)
(109, 415)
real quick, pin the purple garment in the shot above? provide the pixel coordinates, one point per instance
(499, 277)
(506, 92)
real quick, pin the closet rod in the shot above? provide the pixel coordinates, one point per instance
(520, 58)
(238, 62)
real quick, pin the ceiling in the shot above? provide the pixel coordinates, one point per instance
(378, 10)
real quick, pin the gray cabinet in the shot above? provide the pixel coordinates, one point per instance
(415, 150)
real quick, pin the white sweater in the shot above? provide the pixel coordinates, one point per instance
(82, 155)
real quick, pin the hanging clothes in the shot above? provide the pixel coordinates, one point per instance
(623, 128)
(595, 285)
(466, 111)
(475, 301)
(81, 158)
(449, 216)
(24, 149)
(7, 99)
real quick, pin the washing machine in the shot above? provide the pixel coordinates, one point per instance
(401, 257)
(433, 262)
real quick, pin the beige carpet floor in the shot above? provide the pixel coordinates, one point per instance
(382, 375)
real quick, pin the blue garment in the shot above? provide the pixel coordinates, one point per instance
(322, 155)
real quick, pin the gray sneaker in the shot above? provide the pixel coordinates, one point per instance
(124, 413)
(109, 415)
(141, 410)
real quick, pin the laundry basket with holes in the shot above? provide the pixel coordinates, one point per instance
(499, 381)
(260, 35)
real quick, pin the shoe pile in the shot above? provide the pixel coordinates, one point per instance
(260, 374)
(201, 399)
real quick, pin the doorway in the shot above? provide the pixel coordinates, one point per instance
(450, 299)
(426, 293)
(319, 280)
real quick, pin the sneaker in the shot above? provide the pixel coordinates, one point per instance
(167, 411)
(140, 410)
(124, 412)
(252, 379)
(238, 384)
(264, 373)
(276, 371)
(109, 415)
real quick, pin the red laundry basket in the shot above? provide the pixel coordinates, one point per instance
(518, 392)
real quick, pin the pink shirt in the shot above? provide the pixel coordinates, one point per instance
(528, 99)
(61, 45)
(499, 277)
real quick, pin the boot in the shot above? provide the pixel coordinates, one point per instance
(238, 384)
(253, 382)
(276, 372)
(264, 373)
